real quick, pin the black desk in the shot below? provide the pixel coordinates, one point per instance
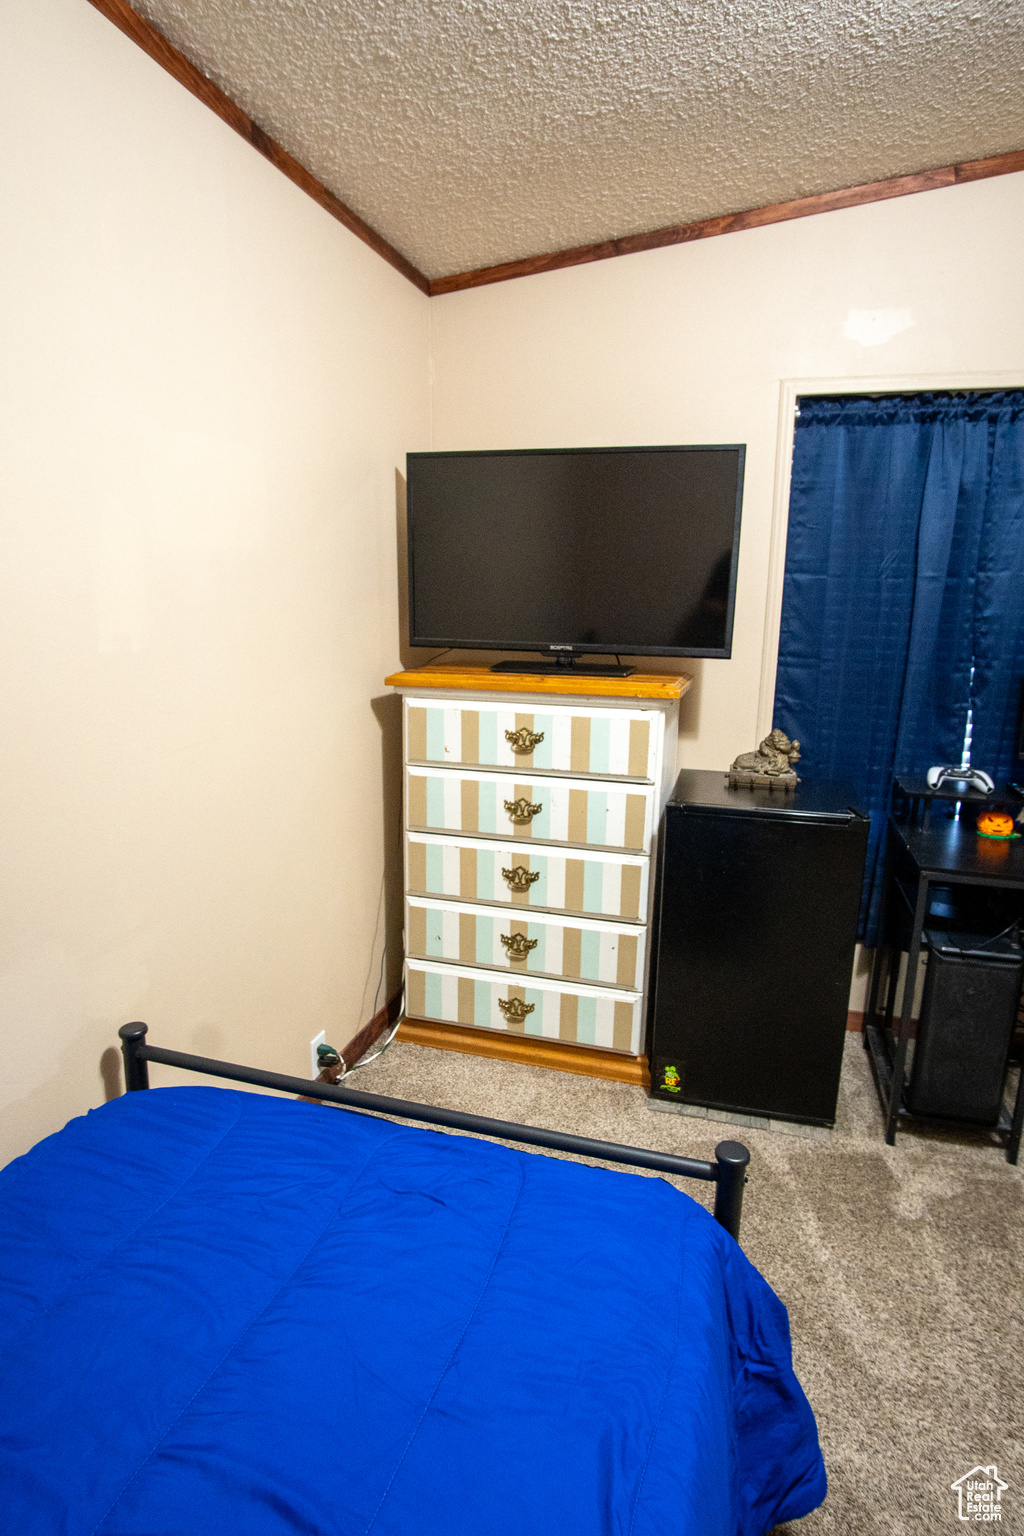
(950, 853)
(917, 795)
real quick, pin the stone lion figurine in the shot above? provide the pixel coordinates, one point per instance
(771, 766)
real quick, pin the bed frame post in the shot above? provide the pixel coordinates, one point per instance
(136, 1070)
(731, 1159)
(728, 1172)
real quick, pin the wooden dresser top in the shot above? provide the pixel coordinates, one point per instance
(642, 685)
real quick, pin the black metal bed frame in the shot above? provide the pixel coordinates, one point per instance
(728, 1172)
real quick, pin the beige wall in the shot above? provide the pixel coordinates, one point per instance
(691, 344)
(207, 386)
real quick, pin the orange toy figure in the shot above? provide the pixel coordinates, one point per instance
(996, 824)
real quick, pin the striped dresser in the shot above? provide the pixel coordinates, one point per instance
(530, 823)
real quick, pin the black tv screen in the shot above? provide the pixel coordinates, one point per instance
(618, 550)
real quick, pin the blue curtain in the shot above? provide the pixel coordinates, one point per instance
(904, 571)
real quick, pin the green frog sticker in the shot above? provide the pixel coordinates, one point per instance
(670, 1080)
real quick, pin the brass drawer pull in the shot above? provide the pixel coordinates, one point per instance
(524, 740)
(514, 1009)
(522, 810)
(520, 878)
(517, 945)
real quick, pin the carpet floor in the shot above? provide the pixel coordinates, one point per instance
(901, 1268)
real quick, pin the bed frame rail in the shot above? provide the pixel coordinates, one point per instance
(728, 1172)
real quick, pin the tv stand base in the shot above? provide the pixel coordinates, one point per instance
(572, 668)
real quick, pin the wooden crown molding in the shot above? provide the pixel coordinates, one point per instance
(730, 223)
(174, 61)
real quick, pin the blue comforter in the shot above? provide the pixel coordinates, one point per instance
(225, 1313)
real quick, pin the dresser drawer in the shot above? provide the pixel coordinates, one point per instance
(532, 877)
(570, 949)
(617, 743)
(579, 1014)
(543, 810)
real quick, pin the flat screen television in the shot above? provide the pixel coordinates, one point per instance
(575, 551)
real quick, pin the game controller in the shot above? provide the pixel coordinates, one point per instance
(953, 778)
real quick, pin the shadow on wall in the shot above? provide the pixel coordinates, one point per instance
(111, 1073)
(382, 985)
(689, 704)
(409, 656)
(89, 1057)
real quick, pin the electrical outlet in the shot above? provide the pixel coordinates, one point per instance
(314, 1065)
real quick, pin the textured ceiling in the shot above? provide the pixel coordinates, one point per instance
(470, 132)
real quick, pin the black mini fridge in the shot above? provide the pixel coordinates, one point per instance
(756, 912)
